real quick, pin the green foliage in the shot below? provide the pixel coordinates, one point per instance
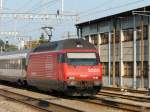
(11, 47)
(42, 39)
(1, 43)
(6, 47)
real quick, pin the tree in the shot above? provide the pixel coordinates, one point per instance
(12, 48)
(1, 43)
(42, 39)
(7, 47)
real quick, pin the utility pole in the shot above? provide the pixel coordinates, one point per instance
(1, 7)
(142, 52)
(1, 4)
(114, 52)
(62, 6)
(135, 50)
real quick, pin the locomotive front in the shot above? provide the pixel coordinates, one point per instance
(83, 73)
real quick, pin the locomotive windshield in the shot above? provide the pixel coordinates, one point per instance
(82, 59)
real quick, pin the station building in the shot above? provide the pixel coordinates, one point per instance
(122, 37)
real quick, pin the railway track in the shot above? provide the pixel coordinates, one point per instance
(109, 102)
(129, 90)
(108, 95)
(38, 104)
(135, 104)
(102, 100)
(125, 96)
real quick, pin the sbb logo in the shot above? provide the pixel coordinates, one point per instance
(93, 70)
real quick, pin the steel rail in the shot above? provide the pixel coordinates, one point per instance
(129, 90)
(36, 103)
(118, 105)
(125, 96)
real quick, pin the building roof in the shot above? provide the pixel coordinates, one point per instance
(114, 8)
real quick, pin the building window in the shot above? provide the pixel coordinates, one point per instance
(11, 64)
(128, 34)
(117, 69)
(104, 68)
(87, 38)
(117, 36)
(145, 64)
(104, 38)
(112, 36)
(94, 39)
(128, 69)
(139, 32)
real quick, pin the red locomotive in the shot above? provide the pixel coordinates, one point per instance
(70, 66)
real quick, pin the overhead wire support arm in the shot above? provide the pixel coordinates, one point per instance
(37, 15)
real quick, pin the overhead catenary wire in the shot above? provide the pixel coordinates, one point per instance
(40, 6)
(111, 8)
(98, 6)
(18, 9)
(29, 2)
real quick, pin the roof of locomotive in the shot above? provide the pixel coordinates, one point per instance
(65, 45)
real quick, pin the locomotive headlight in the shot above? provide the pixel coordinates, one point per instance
(95, 77)
(71, 78)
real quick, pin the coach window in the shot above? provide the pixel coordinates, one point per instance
(7, 64)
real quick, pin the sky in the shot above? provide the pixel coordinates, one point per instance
(30, 29)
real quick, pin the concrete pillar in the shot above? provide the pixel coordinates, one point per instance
(121, 58)
(109, 58)
(134, 57)
(99, 42)
(149, 54)
(90, 40)
(142, 52)
(114, 53)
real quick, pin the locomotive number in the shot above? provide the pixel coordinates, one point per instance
(93, 70)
